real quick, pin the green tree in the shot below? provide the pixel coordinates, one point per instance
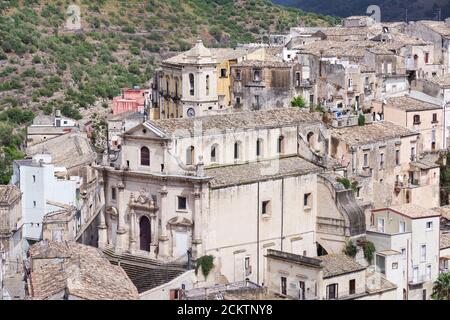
(441, 288)
(298, 102)
(350, 249)
(361, 120)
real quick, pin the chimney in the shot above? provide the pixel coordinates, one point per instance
(58, 113)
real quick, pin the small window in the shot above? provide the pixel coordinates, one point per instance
(429, 225)
(113, 193)
(190, 155)
(416, 119)
(223, 73)
(207, 85)
(145, 156)
(265, 207)
(352, 286)
(403, 252)
(34, 204)
(191, 84)
(238, 101)
(238, 74)
(307, 200)
(413, 153)
(397, 157)
(34, 178)
(297, 79)
(380, 225)
(423, 252)
(283, 286)
(428, 272)
(259, 145)
(435, 118)
(257, 75)
(394, 265)
(381, 160)
(366, 160)
(402, 227)
(332, 291)
(214, 153)
(237, 150)
(280, 147)
(181, 203)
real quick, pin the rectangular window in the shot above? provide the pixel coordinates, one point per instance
(403, 252)
(427, 57)
(352, 286)
(402, 227)
(238, 74)
(297, 79)
(113, 193)
(238, 100)
(34, 204)
(307, 200)
(435, 118)
(34, 178)
(413, 153)
(429, 225)
(265, 207)
(257, 102)
(397, 157)
(423, 252)
(381, 160)
(181, 203)
(332, 291)
(366, 160)
(380, 225)
(394, 265)
(223, 73)
(283, 286)
(257, 75)
(415, 274)
(381, 264)
(428, 272)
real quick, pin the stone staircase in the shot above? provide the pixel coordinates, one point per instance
(144, 272)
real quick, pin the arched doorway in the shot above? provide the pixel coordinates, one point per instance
(144, 233)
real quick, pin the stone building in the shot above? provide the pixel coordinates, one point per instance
(258, 85)
(10, 218)
(383, 159)
(328, 277)
(420, 116)
(165, 196)
(72, 271)
(406, 238)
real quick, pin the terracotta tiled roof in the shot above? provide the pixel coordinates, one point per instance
(444, 241)
(213, 124)
(259, 171)
(8, 194)
(79, 270)
(414, 211)
(338, 264)
(370, 133)
(410, 104)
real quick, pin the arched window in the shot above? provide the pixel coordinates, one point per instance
(237, 150)
(280, 147)
(259, 146)
(214, 153)
(191, 84)
(145, 156)
(167, 86)
(190, 155)
(416, 119)
(207, 85)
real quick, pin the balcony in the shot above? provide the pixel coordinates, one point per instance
(419, 279)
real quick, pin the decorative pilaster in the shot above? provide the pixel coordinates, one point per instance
(133, 231)
(121, 228)
(163, 238)
(197, 236)
(102, 228)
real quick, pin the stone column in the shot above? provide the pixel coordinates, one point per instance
(133, 231)
(121, 227)
(102, 228)
(163, 237)
(197, 232)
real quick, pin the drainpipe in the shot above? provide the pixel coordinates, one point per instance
(282, 212)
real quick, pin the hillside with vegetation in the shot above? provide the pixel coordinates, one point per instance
(391, 10)
(44, 65)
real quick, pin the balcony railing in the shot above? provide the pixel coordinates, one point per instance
(419, 279)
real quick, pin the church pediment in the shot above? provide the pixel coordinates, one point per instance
(147, 131)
